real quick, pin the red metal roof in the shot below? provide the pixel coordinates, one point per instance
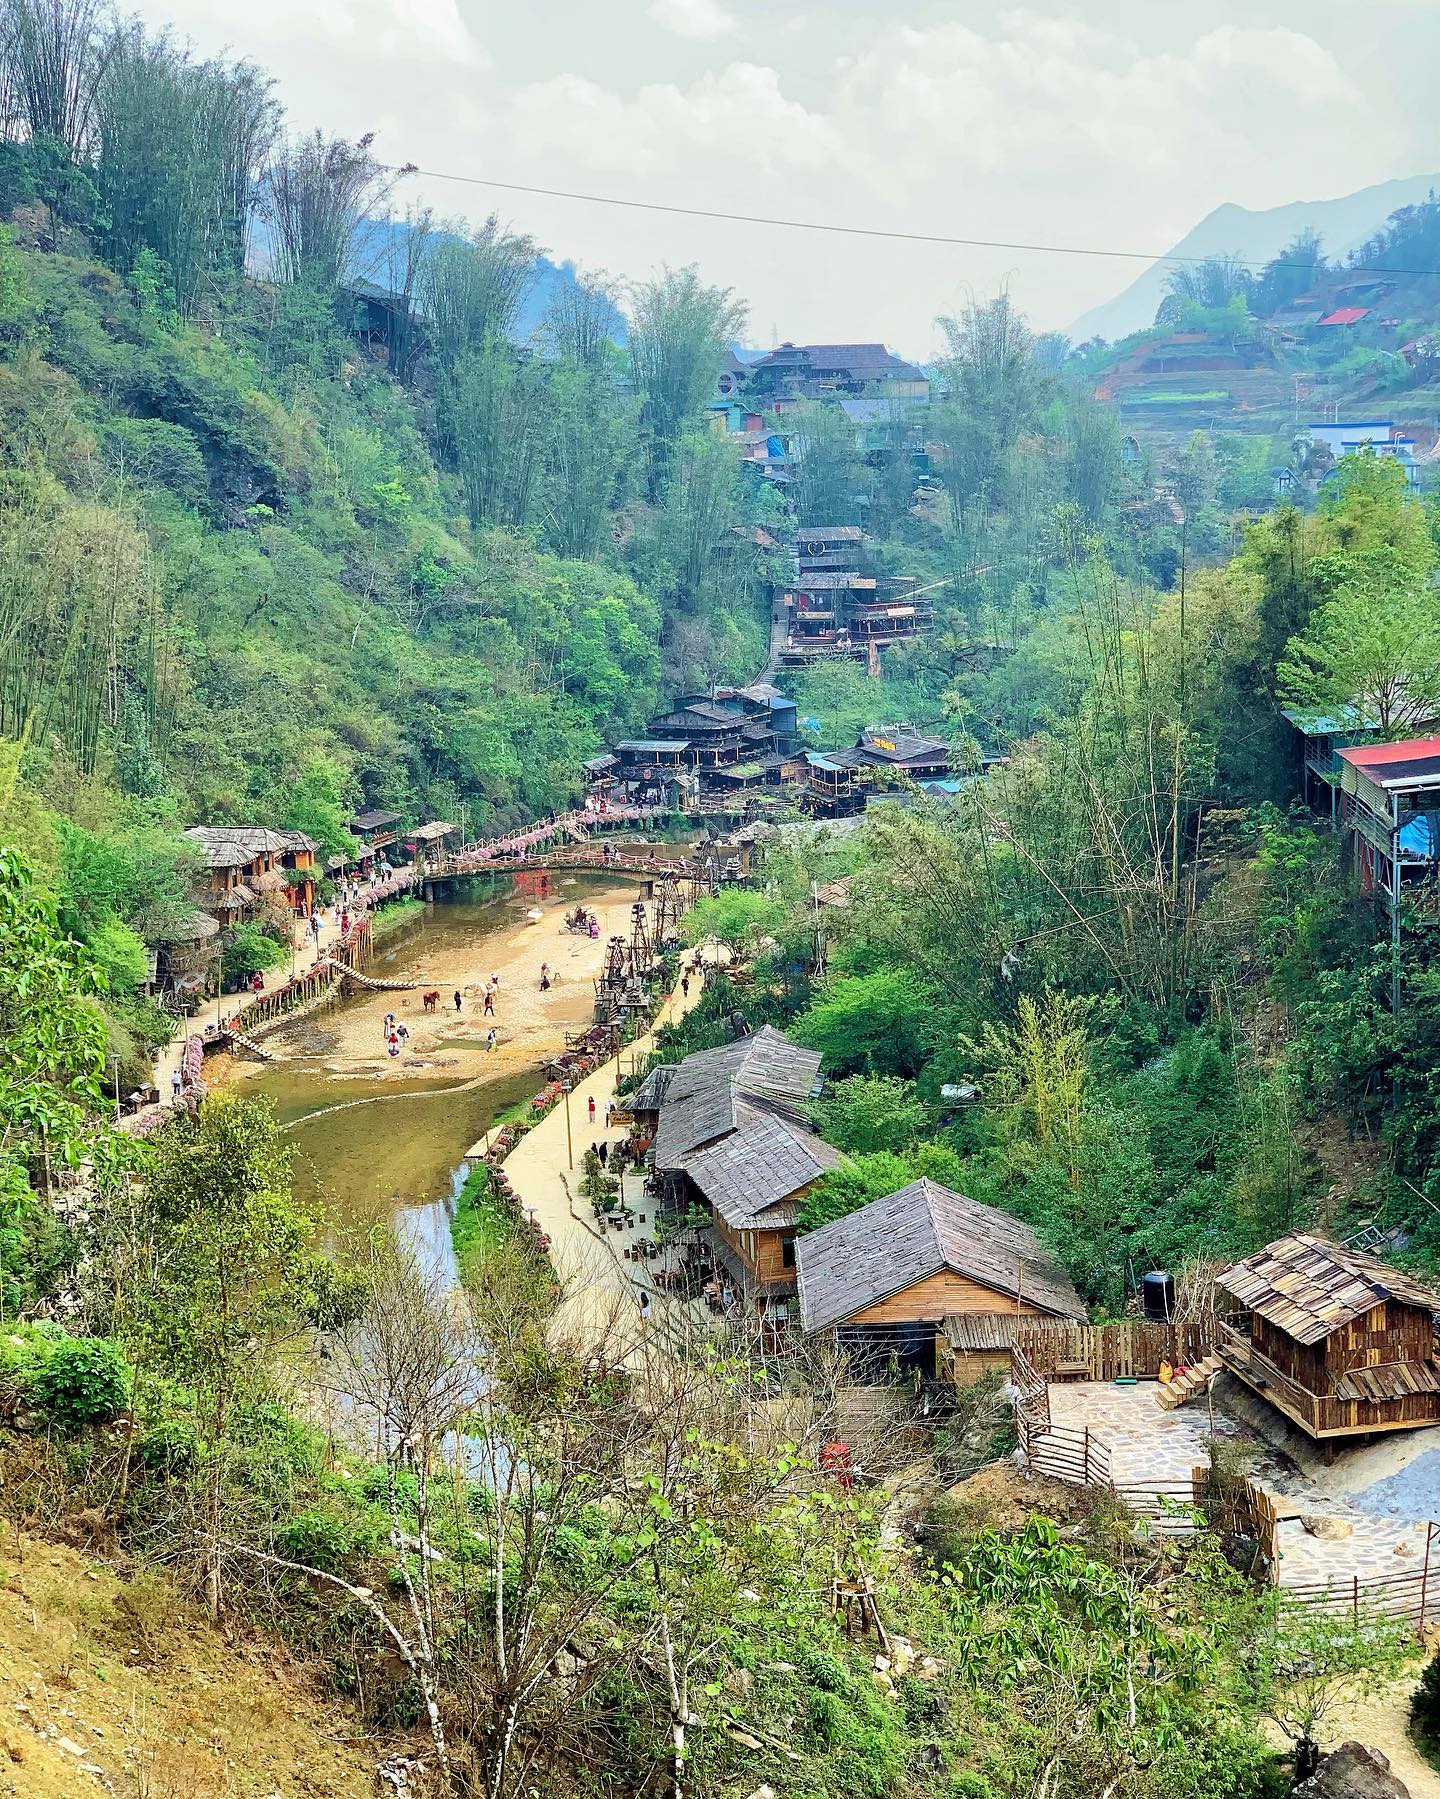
(1345, 315)
(1374, 755)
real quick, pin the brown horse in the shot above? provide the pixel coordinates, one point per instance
(431, 1000)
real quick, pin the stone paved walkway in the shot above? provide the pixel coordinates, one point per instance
(1147, 1445)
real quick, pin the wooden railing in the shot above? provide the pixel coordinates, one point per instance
(1412, 1595)
(1232, 1341)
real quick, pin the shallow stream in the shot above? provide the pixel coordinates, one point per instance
(373, 1150)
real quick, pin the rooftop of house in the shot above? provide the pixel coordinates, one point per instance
(373, 819)
(236, 846)
(696, 712)
(766, 1067)
(901, 743)
(432, 832)
(1393, 765)
(651, 746)
(1308, 1286)
(917, 1231)
(650, 1094)
(865, 362)
(754, 1174)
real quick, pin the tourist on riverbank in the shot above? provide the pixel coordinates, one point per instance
(490, 1040)
(489, 1002)
(457, 999)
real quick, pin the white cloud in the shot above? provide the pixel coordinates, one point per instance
(703, 20)
(741, 112)
(388, 30)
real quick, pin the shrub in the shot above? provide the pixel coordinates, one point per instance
(169, 1447)
(319, 1539)
(1425, 1706)
(249, 951)
(83, 1381)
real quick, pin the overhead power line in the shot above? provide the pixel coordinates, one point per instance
(908, 237)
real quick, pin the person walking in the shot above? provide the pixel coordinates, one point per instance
(644, 1308)
(592, 1108)
(490, 1040)
(175, 1085)
(685, 986)
(489, 1003)
(457, 999)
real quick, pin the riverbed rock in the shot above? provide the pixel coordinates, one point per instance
(1353, 1771)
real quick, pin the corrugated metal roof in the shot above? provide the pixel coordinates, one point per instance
(1392, 764)
(1308, 1286)
(917, 1231)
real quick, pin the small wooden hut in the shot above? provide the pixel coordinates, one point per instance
(1336, 1339)
(890, 1278)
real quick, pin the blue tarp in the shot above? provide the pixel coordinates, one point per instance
(1419, 839)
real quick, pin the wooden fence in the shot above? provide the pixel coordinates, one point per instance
(1413, 1595)
(1239, 1504)
(1131, 1349)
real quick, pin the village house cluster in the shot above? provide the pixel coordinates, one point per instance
(254, 874)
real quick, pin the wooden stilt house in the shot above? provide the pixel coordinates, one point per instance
(1337, 1340)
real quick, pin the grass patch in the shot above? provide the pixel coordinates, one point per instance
(1201, 399)
(479, 1226)
(393, 916)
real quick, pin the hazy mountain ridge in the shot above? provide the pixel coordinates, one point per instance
(1343, 223)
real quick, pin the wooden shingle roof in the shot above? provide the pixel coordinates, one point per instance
(1308, 1286)
(734, 1120)
(917, 1231)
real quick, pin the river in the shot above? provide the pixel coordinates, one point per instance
(377, 1139)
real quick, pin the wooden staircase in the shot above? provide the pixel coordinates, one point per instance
(1187, 1385)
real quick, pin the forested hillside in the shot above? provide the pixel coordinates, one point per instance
(304, 510)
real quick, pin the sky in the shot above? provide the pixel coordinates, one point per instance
(1120, 126)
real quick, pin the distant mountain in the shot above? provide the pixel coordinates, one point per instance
(1342, 224)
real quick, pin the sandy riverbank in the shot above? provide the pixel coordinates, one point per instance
(530, 1024)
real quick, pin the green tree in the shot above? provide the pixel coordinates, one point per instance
(869, 1023)
(863, 1112)
(1312, 1660)
(52, 1066)
(1371, 653)
(995, 388)
(679, 332)
(210, 1267)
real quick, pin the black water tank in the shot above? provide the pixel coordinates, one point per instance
(1157, 1296)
